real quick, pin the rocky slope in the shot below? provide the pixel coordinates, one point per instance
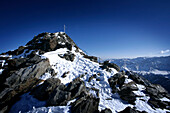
(155, 69)
(52, 74)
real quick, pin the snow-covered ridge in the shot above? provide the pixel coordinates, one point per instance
(80, 66)
(70, 63)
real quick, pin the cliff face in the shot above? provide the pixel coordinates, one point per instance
(51, 70)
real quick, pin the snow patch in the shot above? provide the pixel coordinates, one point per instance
(53, 109)
(165, 99)
(26, 103)
(45, 76)
(1, 71)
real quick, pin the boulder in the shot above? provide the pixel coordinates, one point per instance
(68, 56)
(126, 92)
(76, 87)
(43, 91)
(62, 94)
(117, 79)
(59, 96)
(156, 90)
(87, 104)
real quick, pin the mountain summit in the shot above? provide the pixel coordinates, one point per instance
(51, 74)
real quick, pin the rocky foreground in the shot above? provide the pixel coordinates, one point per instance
(52, 71)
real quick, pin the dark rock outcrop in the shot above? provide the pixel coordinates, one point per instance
(68, 56)
(76, 87)
(126, 92)
(50, 42)
(131, 110)
(14, 64)
(87, 104)
(92, 58)
(117, 79)
(62, 94)
(111, 65)
(138, 79)
(43, 91)
(59, 96)
(157, 92)
(14, 83)
(159, 104)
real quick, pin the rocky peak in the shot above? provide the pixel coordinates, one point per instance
(51, 41)
(45, 42)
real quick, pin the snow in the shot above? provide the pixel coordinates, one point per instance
(45, 76)
(127, 80)
(75, 69)
(80, 66)
(26, 103)
(141, 103)
(165, 99)
(1, 71)
(2, 62)
(5, 55)
(56, 109)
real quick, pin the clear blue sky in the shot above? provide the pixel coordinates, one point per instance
(104, 28)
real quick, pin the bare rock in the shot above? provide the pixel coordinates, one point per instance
(43, 91)
(126, 93)
(15, 83)
(76, 87)
(92, 58)
(138, 79)
(59, 96)
(88, 104)
(117, 79)
(111, 65)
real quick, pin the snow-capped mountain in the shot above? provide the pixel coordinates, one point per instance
(50, 74)
(155, 69)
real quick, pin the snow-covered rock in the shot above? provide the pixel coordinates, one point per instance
(85, 85)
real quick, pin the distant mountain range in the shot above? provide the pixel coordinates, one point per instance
(155, 69)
